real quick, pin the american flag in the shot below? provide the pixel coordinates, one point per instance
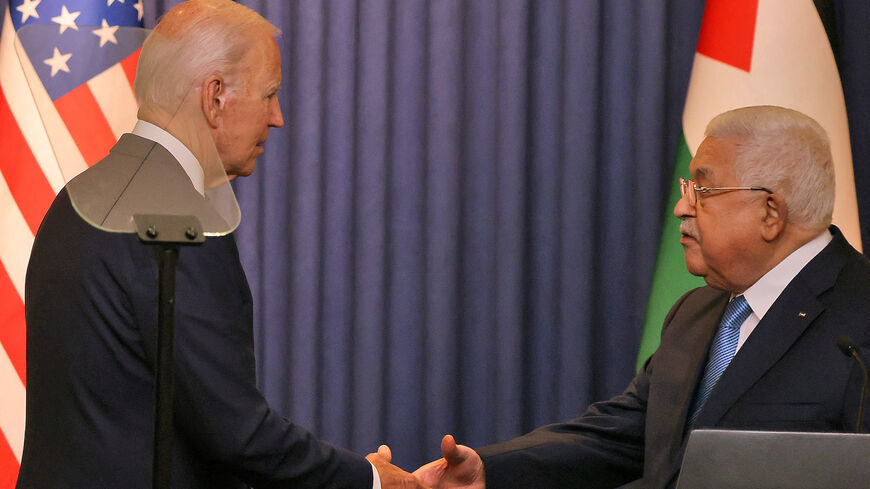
(66, 75)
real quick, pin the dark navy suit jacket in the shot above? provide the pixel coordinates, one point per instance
(91, 309)
(788, 376)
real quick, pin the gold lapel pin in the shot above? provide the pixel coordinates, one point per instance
(802, 314)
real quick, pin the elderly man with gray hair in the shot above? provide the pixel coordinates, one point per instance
(206, 84)
(753, 350)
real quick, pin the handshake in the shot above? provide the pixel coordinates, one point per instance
(461, 467)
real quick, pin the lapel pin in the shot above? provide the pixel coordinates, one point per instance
(802, 314)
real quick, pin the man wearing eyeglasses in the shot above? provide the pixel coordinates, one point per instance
(755, 349)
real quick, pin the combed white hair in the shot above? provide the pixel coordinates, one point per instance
(193, 41)
(785, 151)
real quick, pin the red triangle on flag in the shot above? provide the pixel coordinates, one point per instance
(728, 32)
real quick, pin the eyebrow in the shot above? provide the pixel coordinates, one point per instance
(702, 172)
(272, 88)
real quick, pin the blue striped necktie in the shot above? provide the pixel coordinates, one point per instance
(722, 351)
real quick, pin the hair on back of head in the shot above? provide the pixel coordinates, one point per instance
(193, 41)
(786, 151)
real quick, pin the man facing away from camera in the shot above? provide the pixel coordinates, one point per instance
(91, 295)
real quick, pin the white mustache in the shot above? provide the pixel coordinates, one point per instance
(689, 228)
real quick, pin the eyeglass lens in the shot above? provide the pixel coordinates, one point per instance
(687, 190)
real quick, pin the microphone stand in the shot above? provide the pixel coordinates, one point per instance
(860, 428)
(850, 349)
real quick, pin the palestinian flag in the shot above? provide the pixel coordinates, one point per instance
(753, 52)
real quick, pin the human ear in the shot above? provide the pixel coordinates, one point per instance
(213, 95)
(775, 217)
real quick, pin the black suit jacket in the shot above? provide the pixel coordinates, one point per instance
(91, 304)
(789, 376)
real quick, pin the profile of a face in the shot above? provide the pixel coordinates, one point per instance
(717, 231)
(250, 108)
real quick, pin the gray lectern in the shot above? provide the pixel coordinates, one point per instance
(725, 459)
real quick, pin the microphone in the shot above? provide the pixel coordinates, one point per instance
(850, 349)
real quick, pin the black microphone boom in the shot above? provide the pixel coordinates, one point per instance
(848, 347)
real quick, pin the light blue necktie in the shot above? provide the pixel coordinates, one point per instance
(722, 351)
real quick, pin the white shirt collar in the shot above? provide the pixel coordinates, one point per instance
(177, 149)
(764, 292)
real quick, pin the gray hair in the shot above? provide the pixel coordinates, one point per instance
(193, 41)
(785, 151)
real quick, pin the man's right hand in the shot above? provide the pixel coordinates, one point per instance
(461, 468)
(392, 477)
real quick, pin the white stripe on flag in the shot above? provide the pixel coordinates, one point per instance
(23, 108)
(12, 414)
(117, 103)
(17, 240)
(37, 116)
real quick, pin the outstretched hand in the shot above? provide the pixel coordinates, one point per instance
(461, 468)
(391, 476)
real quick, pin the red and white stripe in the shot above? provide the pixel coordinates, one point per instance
(44, 144)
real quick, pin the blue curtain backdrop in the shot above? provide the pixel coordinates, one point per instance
(455, 229)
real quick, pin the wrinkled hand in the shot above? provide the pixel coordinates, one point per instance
(392, 477)
(461, 468)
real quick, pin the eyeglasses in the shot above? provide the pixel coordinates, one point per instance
(691, 192)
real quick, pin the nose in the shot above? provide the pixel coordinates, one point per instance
(683, 209)
(275, 117)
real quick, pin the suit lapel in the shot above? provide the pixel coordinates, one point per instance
(695, 345)
(792, 313)
(783, 324)
(683, 354)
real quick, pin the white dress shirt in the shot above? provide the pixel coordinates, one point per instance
(194, 171)
(177, 149)
(763, 293)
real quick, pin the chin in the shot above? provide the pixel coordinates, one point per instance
(696, 266)
(242, 171)
(716, 284)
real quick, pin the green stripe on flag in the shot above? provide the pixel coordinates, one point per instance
(670, 278)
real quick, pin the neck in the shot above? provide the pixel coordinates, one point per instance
(193, 132)
(774, 252)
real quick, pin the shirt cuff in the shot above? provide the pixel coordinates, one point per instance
(376, 478)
